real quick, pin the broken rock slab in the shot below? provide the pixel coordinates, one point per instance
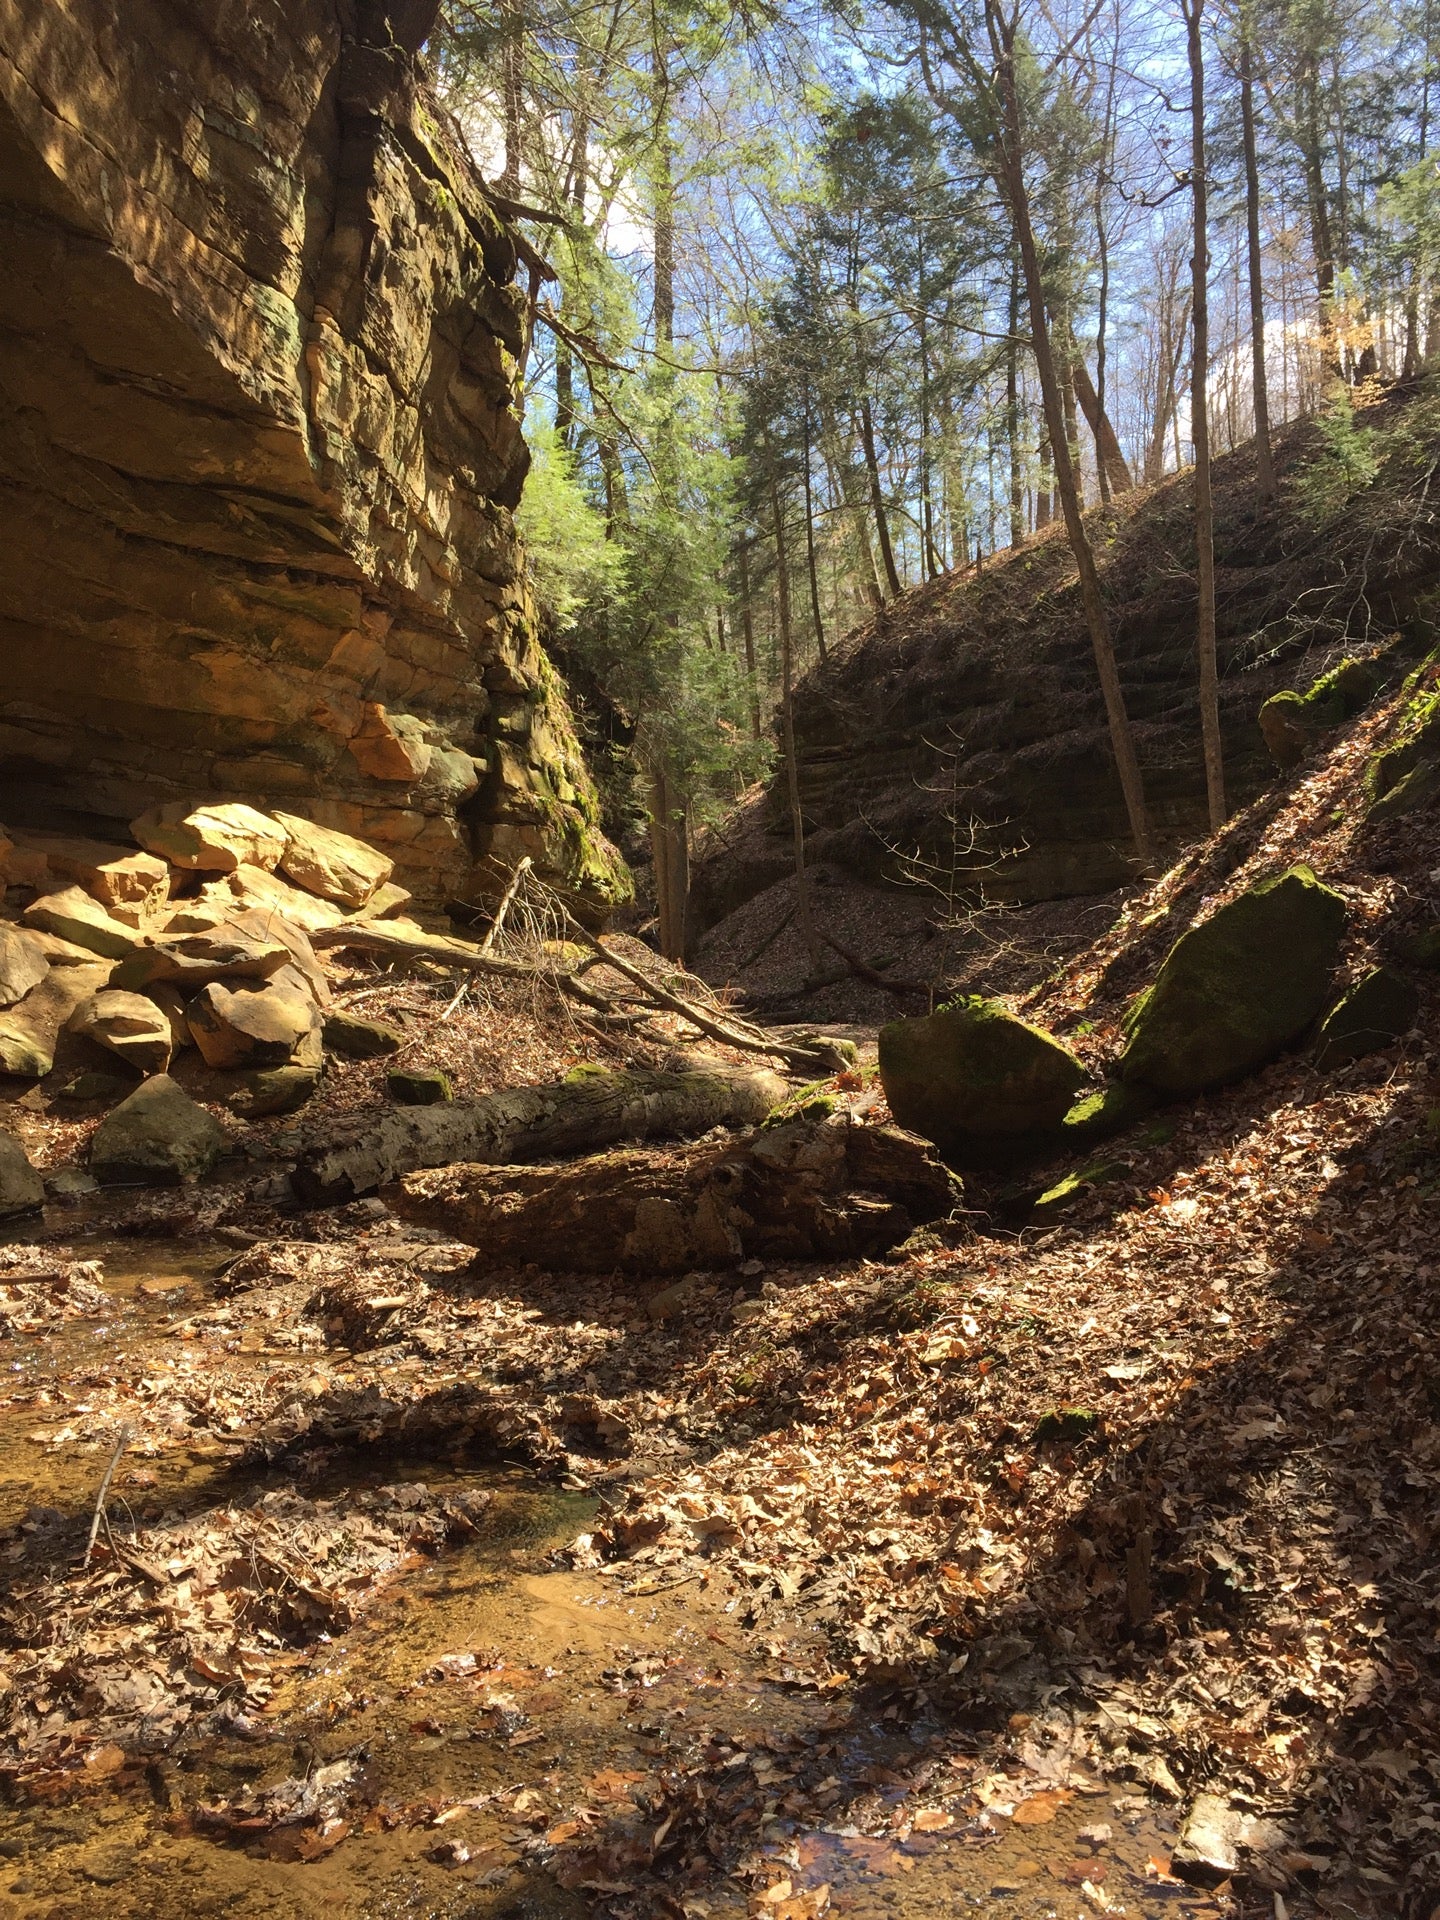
(251, 889)
(21, 1188)
(334, 865)
(128, 1024)
(212, 839)
(131, 886)
(280, 1090)
(1220, 1841)
(31, 1028)
(250, 1028)
(23, 964)
(158, 1137)
(230, 953)
(74, 916)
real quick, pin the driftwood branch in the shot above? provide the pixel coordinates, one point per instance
(817, 1056)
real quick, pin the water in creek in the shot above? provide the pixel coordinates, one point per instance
(486, 1705)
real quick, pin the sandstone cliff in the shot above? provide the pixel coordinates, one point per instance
(258, 361)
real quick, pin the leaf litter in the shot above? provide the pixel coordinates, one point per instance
(1133, 1512)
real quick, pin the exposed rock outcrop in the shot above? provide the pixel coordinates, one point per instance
(258, 356)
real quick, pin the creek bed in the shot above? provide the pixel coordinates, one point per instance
(494, 1733)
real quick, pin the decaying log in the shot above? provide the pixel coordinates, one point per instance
(794, 1190)
(590, 1108)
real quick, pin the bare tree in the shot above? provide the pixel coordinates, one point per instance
(1193, 11)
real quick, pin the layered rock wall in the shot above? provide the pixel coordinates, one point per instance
(259, 350)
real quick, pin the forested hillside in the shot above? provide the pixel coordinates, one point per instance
(847, 300)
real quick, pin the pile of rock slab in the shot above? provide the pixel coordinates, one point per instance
(197, 936)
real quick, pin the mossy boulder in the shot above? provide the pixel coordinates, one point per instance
(418, 1089)
(1291, 722)
(986, 1087)
(1371, 1015)
(1238, 990)
(1104, 1113)
(361, 1039)
(1407, 774)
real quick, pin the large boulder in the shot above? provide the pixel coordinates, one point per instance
(30, 1030)
(74, 916)
(156, 1138)
(128, 1024)
(335, 865)
(210, 839)
(21, 1188)
(986, 1087)
(1372, 1014)
(23, 964)
(254, 1029)
(1237, 990)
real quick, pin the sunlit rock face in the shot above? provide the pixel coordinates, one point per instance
(259, 349)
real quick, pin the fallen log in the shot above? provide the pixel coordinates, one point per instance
(795, 1190)
(590, 1108)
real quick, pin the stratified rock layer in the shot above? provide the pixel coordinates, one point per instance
(258, 446)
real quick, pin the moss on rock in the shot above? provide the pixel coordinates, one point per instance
(1057, 1199)
(1406, 775)
(986, 1087)
(1290, 721)
(1101, 1115)
(1237, 990)
(1371, 1015)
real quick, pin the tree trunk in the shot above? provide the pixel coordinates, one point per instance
(811, 567)
(1109, 455)
(803, 910)
(747, 629)
(511, 33)
(803, 1190)
(590, 1109)
(1045, 486)
(670, 852)
(1072, 430)
(1200, 425)
(1011, 160)
(1264, 459)
(877, 495)
(1012, 412)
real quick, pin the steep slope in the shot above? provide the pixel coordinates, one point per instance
(258, 359)
(976, 697)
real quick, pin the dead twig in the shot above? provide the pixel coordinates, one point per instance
(122, 1440)
(517, 880)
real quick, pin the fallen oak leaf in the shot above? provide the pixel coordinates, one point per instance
(932, 1820)
(1040, 1808)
